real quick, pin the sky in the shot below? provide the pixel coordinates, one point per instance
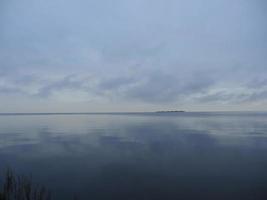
(133, 55)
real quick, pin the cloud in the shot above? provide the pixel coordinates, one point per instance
(150, 86)
(68, 82)
(134, 52)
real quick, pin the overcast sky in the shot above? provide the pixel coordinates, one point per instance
(132, 55)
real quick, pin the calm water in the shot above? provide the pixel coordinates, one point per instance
(140, 156)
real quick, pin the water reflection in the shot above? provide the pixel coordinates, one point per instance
(140, 156)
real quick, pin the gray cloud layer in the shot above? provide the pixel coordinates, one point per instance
(150, 53)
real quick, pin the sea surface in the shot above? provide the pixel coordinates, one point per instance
(140, 156)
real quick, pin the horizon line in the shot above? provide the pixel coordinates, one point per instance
(121, 112)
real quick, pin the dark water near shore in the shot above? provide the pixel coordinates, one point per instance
(142, 156)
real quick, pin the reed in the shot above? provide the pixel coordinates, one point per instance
(16, 187)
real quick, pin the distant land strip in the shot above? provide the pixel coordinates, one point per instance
(83, 113)
(170, 111)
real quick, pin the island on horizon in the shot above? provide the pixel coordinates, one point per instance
(170, 111)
